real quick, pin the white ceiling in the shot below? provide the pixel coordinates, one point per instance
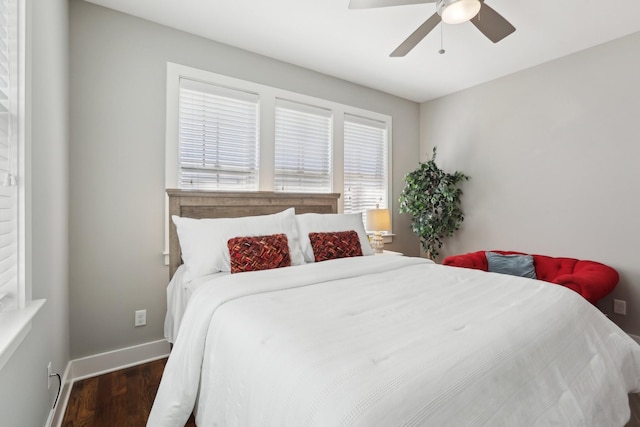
(354, 45)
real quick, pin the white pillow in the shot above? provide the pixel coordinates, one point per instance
(204, 241)
(323, 223)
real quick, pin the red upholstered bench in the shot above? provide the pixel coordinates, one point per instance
(590, 279)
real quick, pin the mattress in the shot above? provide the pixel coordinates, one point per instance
(394, 341)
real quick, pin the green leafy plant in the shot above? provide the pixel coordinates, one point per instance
(433, 197)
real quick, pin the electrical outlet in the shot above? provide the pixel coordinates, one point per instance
(141, 318)
(49, 369)
(620, 307)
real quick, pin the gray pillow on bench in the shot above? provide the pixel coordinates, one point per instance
(514, 264)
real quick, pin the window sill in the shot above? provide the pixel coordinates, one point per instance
(14, 327)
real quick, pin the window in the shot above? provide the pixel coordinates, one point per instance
(225, 133)
(11, 290)
(302, 148)
(218, 137)
(365, 164)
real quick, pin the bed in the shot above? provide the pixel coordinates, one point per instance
(387, 341)
(210, 204)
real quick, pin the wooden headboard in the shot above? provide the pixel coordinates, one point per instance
(224, 204)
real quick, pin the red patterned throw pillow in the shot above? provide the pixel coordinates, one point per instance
(338, 244)
(258, 253)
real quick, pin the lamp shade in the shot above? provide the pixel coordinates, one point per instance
(458, 11)
(378, 220)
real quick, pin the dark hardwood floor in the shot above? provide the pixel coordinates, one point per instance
(120, 398)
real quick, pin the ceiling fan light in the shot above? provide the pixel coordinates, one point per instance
(458, 11)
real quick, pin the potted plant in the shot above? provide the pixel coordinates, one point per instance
(433, 197)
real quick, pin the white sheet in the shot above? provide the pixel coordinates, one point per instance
(178, 293)
(417, 343)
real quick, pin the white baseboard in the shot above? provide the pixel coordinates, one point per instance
(52, 413)
(110, 361)
(103, 363)
(57, 413)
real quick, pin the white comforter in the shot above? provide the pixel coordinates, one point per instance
(394, 341)
(178, 293)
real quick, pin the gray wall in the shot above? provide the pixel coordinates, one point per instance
(117, 93)
(24, 398)
(553, 154)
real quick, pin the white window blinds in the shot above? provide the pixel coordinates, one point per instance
(302, 148)
(218, 137)
(8, 155)
(365, 164)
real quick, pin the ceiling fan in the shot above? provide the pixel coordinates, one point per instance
(488, 21)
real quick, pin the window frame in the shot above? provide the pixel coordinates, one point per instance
(266, 110)
(16, 170)
(230, 105)
(321, 119)
(15, 324)
(381, 126)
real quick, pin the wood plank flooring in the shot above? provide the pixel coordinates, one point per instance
(120, 398)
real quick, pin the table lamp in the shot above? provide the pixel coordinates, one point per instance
(378, 220)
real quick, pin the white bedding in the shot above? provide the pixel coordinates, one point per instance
(178, 293)
(394, 341)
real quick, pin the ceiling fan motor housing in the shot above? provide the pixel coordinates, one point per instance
(458, 11)
(492, 24)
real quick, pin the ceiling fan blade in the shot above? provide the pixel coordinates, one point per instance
(492, 24)
(369, 4)
(417, 36)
